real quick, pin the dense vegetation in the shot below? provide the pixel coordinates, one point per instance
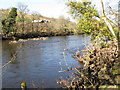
(100, 58)
(89, 20)
(18, 23)
(9, 24)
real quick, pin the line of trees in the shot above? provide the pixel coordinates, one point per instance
(21, 24)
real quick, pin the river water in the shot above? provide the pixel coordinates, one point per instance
(38, 62)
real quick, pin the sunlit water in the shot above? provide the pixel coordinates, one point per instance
(38, 62)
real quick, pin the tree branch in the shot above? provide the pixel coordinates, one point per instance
(106, 21)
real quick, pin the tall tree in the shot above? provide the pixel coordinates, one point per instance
(9, 23)
(84, 13)
(88, 18)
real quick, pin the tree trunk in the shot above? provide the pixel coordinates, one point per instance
(106, 21)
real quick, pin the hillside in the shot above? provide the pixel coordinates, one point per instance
(35, 25)
(28, 17)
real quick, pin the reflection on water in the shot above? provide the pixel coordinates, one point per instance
(39, 61)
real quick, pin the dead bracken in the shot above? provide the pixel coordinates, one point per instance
(100, 67)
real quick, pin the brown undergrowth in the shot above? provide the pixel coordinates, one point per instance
(100, 67)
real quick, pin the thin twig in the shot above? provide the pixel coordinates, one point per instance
(83, 75)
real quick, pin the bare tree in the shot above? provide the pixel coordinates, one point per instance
(23, 9)
(35, 15)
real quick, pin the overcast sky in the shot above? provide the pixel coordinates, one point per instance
(49, 8)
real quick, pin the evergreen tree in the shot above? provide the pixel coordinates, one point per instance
(10, 22)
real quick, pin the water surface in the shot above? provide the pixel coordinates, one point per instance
(39, 61)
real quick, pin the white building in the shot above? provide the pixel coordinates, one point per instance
(41, 21)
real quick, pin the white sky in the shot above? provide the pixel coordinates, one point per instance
(49, 8)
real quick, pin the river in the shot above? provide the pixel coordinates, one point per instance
(38, 62)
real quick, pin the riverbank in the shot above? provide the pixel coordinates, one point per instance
(35, 35)
(101, 67)
(29, 39)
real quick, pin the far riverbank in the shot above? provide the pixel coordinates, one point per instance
(34, 35)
